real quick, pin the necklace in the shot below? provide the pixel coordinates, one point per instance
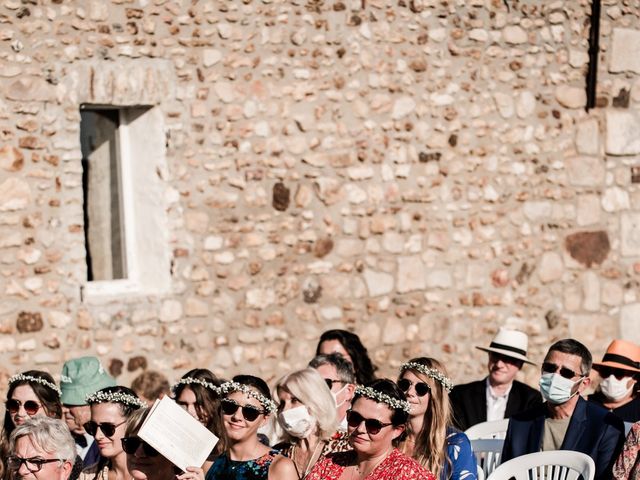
(308, 465)
(364, 474)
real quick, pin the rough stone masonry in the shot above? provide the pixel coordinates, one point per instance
(421, 172)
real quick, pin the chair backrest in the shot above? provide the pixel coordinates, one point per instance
(493, 429)
(488, 452)
(552, 465)
(627, 427)
(480, 475)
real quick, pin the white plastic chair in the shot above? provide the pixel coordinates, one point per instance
(552, 465)
(493, 429)
(488, 452)
(627, 428)
(480, 475)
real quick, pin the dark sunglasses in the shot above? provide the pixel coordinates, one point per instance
(421, 388)
(373, 426)
(108, 428)
(331, 381)
(548, 367)
(30, 406)
(249, 412)
(618, 373)
(33, 464)
(131, 444)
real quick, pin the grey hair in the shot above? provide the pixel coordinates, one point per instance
(50, 434)
(574, 347)
(344, 369)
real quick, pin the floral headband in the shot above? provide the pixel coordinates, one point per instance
(28, 378)
(434, 373)
(383, 397)
(114, 397)
(197, 381)
(267, 404)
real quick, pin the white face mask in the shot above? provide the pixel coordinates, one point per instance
(615, 389)
(335, 396)
(297, 422)
(556, 389)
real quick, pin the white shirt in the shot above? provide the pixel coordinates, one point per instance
(496, 404)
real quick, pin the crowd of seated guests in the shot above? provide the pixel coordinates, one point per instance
(331, 420)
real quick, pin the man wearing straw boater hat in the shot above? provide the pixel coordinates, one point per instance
(618, 389)
(498, 395)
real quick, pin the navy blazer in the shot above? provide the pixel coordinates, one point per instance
(469, 402)
(592, 430)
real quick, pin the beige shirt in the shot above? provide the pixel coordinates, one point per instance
(554, 432)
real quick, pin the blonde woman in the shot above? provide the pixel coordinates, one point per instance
(307, 419)
(431, 439)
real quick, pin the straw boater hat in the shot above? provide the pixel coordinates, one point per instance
(510, 343)
(621, 354)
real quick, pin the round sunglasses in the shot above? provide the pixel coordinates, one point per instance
(131, 444)
(372, 425)
(249, 412)
(421, 388)
(107, 428)
(30, 406)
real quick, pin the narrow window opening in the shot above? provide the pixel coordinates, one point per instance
(102, 189)
(594, 51)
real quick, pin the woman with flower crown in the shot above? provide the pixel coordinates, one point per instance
(31, 394)
(111, 407)
(198, 392)
(246, 405)
(430, 438)
(378, 416)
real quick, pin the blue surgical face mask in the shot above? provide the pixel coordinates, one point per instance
(556, 389)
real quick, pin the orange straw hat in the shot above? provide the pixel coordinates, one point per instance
(621, 354)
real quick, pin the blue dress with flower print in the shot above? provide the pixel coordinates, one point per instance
(463, 460)
(224, 468)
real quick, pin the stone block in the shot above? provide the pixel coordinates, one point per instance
(571, 97)
(588, 210)
(378, 283)
(551, 267)
(629, 321)
(588, 137)
(630, 234)
(615, 199)
(440, 278)
(171, 311)
(591, 291)
(411, 274)
(622, 132)
(15, 194)
(625, 51)
(588, 248)
(585, 171)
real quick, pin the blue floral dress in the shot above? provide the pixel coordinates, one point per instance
(462, 458)
(257, 469)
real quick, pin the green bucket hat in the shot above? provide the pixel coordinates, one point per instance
(81, 377)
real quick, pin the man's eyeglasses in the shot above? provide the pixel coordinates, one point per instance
(606, 372)
(421, 388)
(30, 406)
(249, 412)
(108, 428)
(331, 381)
(33, 464)
(131, 444)
(548, 367)
(372, 425)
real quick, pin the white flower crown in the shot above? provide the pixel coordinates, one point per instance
(197, 381)
(434, 373)
(383, 397)
(266, 403)
(20, 377)
(114, 397)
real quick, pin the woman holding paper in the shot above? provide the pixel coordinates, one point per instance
(246, 405)
(144, 462)
(307, 421)
(111, 407)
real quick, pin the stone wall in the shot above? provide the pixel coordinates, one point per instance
(422, 172)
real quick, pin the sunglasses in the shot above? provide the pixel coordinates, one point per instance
(373, 426)
(331, 381)
(619, 374)
(107, 428)
(421, 388)
(548, 367)
(30, 406)
(249, 412)
(131, 444)
(33, 464)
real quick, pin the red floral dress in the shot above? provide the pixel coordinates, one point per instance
(396, 466)
(627, 466)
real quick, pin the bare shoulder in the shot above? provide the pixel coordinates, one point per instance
(282, 468)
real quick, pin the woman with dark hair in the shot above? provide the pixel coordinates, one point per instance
(351, 348)
(198, 392)
(431, 439)
(378, 416)
(111, 407)
(246, 405)
(31, 394)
